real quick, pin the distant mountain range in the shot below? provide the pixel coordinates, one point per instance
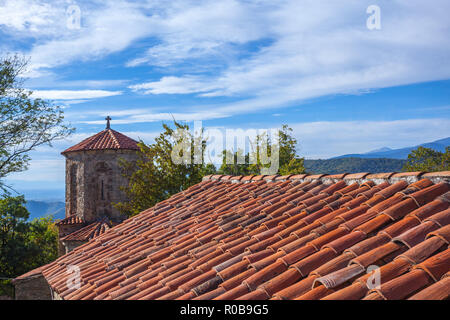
(438, 145)
(39, 209)
(353, 165)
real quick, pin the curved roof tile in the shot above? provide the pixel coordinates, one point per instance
(88, 232)
(107, 139)
(224, 239)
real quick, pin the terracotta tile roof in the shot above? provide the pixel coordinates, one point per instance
(31, 274)
(293, 238)
(70, 220)
(106, 139)
(90, 231)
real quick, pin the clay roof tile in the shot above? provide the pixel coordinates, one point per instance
(270, 237)
(104, 140)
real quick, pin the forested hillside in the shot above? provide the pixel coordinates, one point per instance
(354, 165)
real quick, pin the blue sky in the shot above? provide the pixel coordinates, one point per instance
(235, 64)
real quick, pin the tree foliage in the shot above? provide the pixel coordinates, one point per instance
(426, 159)
(289, 162)
(155, 176)
(24, 245)
(25, 123)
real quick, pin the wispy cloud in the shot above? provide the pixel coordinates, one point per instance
(73, 94)
(175, 85)
(106, 27)
(34, 17)
(325, 139)
(319, 48)
(267, 54)
(144, 115)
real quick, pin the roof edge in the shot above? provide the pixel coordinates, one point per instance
(377, 178)
(99, 150)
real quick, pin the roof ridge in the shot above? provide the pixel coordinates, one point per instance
(378, 178)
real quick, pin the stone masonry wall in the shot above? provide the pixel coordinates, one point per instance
(33, 288)
(93, 180)
(70, 245)
(64, 230)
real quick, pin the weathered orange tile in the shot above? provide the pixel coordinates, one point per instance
(265, 274)
(368, 244)
(281, 281)
(315, 294)
(375, 255)
(417, 234)
(296, 289)
(399, 227)
(429, 209)
(211, 294)
(258, 294)
(436, 266)
(423, 250)
(175, 283)
(237, 280)
(335, 264)
(234, 293)
(312, 262)
(355, 291)
(401, 287)
(437, 291)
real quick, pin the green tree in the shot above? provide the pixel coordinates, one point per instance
(24, 245)
(289, 162)
(235, 168)
(426, 159)
(25, 123)
(155, 176)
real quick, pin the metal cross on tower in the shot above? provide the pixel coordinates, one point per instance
(108, 125)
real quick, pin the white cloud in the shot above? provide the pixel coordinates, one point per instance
(204, 30)
(56, 82)
(325, 139)
(141, 116)
(317, 48)
(49, 170)
(171, 85)
(210, 48)
(73, 94)
(30, 16)
(106, 27)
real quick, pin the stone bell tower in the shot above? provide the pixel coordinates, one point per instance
(93, 175)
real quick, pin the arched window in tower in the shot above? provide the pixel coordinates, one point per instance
(103, 172)
(102, 192)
